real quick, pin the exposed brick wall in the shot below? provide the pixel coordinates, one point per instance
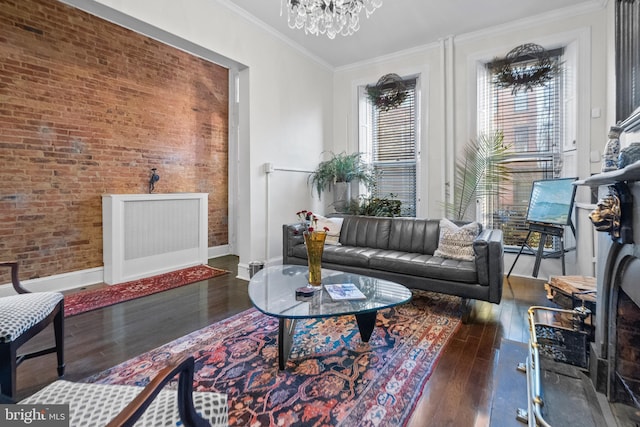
(87, 108)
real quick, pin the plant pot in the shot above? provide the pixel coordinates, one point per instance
(314, 242)
(341, 196)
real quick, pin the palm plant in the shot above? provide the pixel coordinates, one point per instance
(341, 168)
(480, 172)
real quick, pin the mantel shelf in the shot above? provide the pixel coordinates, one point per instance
(629, 173)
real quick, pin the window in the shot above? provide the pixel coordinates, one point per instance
(627, 57)
(389, 141)
(531, 122)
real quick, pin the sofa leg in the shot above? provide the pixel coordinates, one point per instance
(467, 307)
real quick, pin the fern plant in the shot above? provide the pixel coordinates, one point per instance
(341, 168)
(480, 172)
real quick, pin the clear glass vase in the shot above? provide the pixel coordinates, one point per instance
(314, 241)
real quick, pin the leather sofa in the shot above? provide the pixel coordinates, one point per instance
(402, 250)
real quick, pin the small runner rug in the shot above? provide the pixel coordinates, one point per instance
(82, 302)
(332, 377)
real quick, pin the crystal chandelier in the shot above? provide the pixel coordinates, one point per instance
(330, 17)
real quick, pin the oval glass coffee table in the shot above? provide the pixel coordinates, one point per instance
(273, 291)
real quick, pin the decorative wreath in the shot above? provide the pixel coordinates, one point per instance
(516, 71)
(388, 93)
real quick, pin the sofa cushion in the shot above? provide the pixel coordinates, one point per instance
(343, 255)
(334, 225)
(348, 255)
(423, 265)
(414, 235)
(365, 232)
(456, 242)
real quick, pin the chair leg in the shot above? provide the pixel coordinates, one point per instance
(58, 328)
(8, 366)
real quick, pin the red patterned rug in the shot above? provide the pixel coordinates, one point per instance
(332, 377)
(82, 302)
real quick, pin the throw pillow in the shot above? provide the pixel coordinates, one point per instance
(457, 242)
(334, 225)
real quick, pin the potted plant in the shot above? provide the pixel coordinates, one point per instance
(479, 172)
(337, 173)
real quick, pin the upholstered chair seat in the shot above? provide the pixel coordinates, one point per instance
(22, 317)
(18, 313)
(94, 405)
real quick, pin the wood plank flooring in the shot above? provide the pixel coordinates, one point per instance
(458, 393)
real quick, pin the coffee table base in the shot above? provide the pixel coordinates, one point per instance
(286, 329)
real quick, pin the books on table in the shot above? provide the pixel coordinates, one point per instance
(344, 291)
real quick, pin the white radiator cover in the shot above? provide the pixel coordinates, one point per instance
(149, 234)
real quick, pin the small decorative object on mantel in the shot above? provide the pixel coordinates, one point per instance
(314, 241)
(612, 150)
(613, 214)
(388, 93)
(516, 71)
(628, 155)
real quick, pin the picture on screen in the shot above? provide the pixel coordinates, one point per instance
(551, 201)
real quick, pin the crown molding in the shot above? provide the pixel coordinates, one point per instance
(555, 15)
(559, 14)
(385, 58)
(277, 34)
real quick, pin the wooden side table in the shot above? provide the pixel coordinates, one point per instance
(565, 290)
(575, 292)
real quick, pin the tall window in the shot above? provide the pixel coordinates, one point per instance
(531, 122)
(627, 57)
(389, 140)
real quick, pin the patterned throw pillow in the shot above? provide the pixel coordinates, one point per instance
(457, 242)
(334, 225)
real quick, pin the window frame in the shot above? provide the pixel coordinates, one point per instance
(520, 156)
(366, 139)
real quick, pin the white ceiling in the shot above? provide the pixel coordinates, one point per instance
(403, 24)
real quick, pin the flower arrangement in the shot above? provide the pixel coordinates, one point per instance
(388, 93)
(514, 72)
(314, 241)
(310, 221)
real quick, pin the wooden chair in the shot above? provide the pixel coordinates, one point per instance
(22, 317)
(123, 405)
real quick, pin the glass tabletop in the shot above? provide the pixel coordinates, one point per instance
(273, 291)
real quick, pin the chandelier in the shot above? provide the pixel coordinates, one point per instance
(330, 17)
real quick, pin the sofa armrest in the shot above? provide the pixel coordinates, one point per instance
(489, 250)
(292, 235)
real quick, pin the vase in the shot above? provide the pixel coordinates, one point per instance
(629, 155)
(341, 196)
(314, 242)
(612, 150)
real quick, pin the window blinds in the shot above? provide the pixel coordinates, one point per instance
(627, 57)
(531, 122)
(394, 151)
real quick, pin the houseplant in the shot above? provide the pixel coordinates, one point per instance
(337, 173)
(479, 172)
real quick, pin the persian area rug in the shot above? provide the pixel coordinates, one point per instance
(82, 302)
(332, 377)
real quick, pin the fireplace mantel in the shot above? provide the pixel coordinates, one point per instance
(629, 173)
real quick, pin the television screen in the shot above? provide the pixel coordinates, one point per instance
(552, 201)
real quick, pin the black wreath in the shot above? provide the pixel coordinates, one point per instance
(515, 69)
(388, 93)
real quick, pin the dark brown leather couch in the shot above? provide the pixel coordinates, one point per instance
(401, 250)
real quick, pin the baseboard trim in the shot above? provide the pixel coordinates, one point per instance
(58, 282)
(81, 278)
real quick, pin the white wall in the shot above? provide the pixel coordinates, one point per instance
(449, 98)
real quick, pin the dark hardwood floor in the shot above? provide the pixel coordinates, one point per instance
(458, 393)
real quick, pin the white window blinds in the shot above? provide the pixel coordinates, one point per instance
(531, 122)
(393, 150)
